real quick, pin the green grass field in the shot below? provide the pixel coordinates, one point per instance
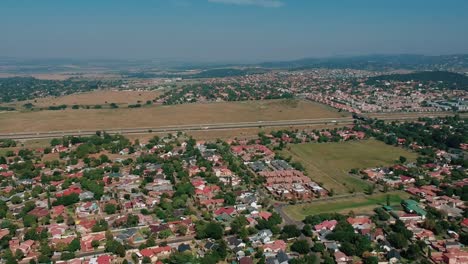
(360, 205)
(330, 163)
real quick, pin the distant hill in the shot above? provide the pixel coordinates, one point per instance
(377, 62)
(450, 80)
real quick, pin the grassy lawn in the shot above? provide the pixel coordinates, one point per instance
(359, 205)
(329, 163)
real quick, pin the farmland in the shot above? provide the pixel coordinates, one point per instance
(330, 163)
(98, 97)
(359, 204)
(224, 112)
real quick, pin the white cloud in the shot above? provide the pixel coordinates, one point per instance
(262, 3)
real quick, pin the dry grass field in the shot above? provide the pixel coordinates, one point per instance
(330, 163)
(99, 97)
(358, 204)
(155, 116)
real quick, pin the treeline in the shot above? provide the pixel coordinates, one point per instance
(442, 79)
(209, 73)
(26, 88)
(224, 91)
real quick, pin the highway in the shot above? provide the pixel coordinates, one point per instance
(192, 127)
(163, 129)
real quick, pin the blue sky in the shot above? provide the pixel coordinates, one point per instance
(230, 30)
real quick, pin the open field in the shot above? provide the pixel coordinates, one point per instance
(329, 163)
(360, 205)
(98, 97)
(155, 116)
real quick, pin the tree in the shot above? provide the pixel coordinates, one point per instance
(10, 258)
(402, 159)
(307, 230)
(397, 240)
(74, 245)
(209, 230)
(95, 244)
(67, 255)
(181, 230)
(370, 189)
(16, 199)
(164, 234)
(238, 223)
(301, 246)
(29, 220)
(290, 231)
(318, 247)
(308, 259)
(110, 208)
(59, 219)
(371, 260)
(19, 254)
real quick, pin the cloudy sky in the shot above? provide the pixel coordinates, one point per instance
(230, 30)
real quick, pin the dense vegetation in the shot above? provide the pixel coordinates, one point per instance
(442, 133)
(225, 92)
(448, 80)
(20, 88)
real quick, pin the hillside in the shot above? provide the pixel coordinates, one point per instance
(448, 80)
(377, 62)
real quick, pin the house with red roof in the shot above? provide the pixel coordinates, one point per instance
(68, 191)
(211, 203)
(226, 210)
(7, 174)
(359, 222)
(406, 180)
(341, 258)
(86, 240)
(4, 232)
(25, 246)
(59, 148)
(39, 212)
(275, 246)
(57, 241)
(85, 225)
(102, 259)
(464, 222)
(155, 253)
(455, 257)
(57, 230)
(265, 215)
(57, 210)
(401, 141)
(326, 225)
